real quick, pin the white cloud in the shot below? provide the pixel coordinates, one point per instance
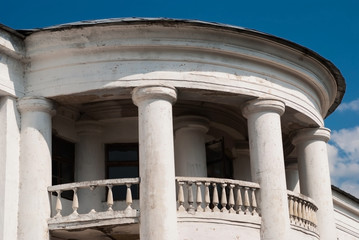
(343, 153)
(351, 106)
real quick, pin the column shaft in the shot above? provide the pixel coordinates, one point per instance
(314, 176)
(241, 163)
(157, 191)
(190, 146)
(35, 168)
(89, 164)
(292, 177)
(267, 164)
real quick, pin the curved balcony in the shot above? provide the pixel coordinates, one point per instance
(209, 202)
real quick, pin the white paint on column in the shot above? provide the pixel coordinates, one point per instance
(267, 163)
(89, 164)
(314, 176)
(190, 146)
(158, 219)
(35, 167)
(292, 177)
(9, 167)
(241, 162)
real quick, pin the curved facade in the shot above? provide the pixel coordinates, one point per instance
(212, 130)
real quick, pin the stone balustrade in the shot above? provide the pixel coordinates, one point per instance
(197, 194)
(90, 186)
(302, 211)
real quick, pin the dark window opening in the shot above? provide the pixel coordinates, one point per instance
(63, 163)
(122, 161)
(219, 164)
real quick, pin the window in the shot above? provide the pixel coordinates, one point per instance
(122, 162)
(219, 165)
(63, 162)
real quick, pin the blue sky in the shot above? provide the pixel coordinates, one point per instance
(329, 27)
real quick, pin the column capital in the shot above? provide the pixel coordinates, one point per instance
(307, 134)
(88, 127)
(191, 121)
(35, 104)
(263, 105)
(143, 93)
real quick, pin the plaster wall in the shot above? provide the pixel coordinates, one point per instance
(12, 64)
(9, 167)
(346, 214)
(110, 57)
(213, 230)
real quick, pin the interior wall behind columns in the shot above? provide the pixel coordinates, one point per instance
(9, 167)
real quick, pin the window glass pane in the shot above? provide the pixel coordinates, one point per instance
(122, 172)
(123, 155)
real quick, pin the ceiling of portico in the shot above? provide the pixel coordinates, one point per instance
(222, 109)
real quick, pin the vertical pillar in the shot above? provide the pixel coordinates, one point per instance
(190, 146)
(292, 177)
(267, 164)
(158, 219)
(35, 167)
(89, 164)
(314, 176)
(9, 167)
(241, 163)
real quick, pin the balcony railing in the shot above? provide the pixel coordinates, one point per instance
(108, 213)
(216, 195)
(206, 196)
(302, 211)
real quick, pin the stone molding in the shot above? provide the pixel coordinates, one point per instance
(192, 122)
(263, 105)
(88, 127)
(36, 104)
(307, 134)
(140, 94)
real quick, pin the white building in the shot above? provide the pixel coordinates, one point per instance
(166, 129)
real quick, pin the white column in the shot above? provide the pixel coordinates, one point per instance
(9, 167)
(292, 177)
(267, 164)
(35, 167)
(190, 146)
(241, 162)
(314, 177)
(158, 220)
(89, 164)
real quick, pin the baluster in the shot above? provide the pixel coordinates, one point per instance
(207, 199)
(310, 214)
(224, 198)
(295, 213)
(215, 198)
(300, 214)
(239, 202)
(180, 197)
(246, 200)
(109, 198)
(128, 197)
(75, 202)
(304, 213)
(231, 199)
(291, 209)
(199, 197)
(254, 202)
(190, 198)
(58, 204)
